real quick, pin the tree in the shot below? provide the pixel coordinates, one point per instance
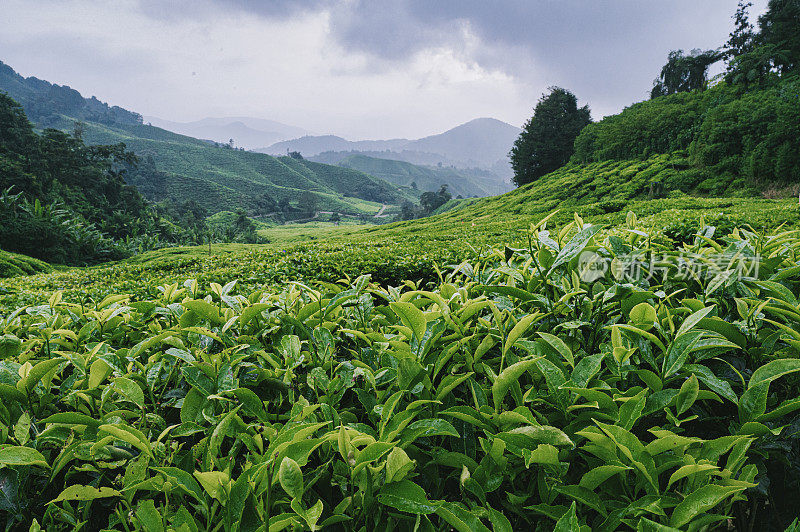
(780, 27)
(265, 204)
(307, 202)
(407, 211)
(430, 201)
(741, 40)
(546, 141)
(296, 155)
(684, 73)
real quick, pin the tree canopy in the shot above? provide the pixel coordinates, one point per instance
(546, 141)
(684, 73)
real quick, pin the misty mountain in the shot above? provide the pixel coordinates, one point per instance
(311, 145)
(413, 157)
(246, 132)
(460, 181)
(482, 143)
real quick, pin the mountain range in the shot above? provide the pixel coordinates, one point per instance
(480, 143)
(179, 168)
(246, 132)
(185, 161)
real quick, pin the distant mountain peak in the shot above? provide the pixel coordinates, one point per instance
(482, 142)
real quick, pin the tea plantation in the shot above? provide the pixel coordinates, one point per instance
(604, 372)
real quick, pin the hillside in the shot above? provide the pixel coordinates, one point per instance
(483, 143)
(740, 142)
(654, 188)
(460, 182)
(45, 102)
(181, 168)
(220, 178)
(310, 145)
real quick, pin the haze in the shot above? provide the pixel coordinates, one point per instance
(359, 69)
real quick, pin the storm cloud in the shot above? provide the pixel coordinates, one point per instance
(360, 68)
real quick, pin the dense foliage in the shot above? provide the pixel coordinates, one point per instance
(547, 138)
(44, 102)
(684, 73)
(514, 393)
(778, 28)
(739, 143)
(742, 133)
(60, 200)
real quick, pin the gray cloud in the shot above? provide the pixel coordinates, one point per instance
(607, 51)
(198, 9)
(358, 68)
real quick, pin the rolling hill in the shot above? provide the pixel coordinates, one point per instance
(182, 168)
(460, 182)
(310, 145)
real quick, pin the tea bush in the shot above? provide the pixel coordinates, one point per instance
(529, 389)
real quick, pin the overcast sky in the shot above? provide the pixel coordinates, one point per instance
(357, 68)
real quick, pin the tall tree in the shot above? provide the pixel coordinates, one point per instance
(430, 201)
(684, 73)
(741, 39)
(546, 141)
(780, 27)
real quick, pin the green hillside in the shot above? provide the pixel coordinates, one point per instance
(12, 264)
(740, 142)
(601, 193)
(181, 168)
(460, 182)
(221, 178)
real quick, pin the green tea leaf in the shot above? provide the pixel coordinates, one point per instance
(214, 483)
(687, 394)
(149, 517)
(21, 456)
(459, 518)
(412, 317)
(773, 370)
(575, 245)
(569, 521)
(407, 497)
(291, 478)
(509, 376)
(78, 492)
(700, 501)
